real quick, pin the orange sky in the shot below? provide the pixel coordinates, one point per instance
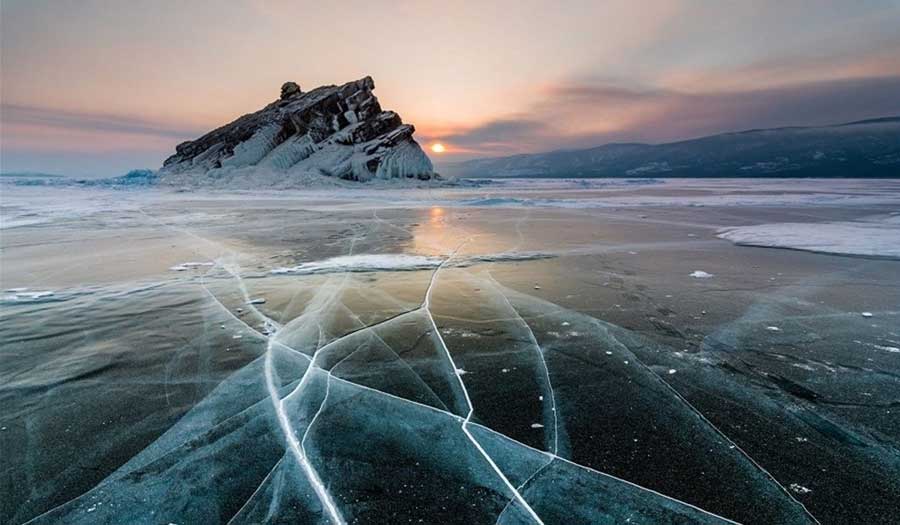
(91, 85)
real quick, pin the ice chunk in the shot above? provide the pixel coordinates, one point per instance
(700, 274)
(800, 489)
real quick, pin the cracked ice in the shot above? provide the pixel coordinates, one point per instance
(408, 367)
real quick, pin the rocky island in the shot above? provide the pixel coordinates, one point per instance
(331, 131)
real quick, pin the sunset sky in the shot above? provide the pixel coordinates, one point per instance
(96, 88)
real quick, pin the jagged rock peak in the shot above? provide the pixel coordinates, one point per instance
(290, 89)
(337, 131)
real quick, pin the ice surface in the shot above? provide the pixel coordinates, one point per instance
(440, 367)
(721, 192)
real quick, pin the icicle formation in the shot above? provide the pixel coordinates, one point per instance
(406, 160)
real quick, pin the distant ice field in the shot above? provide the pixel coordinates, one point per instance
(28, 204)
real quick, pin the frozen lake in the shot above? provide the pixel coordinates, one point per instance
(519, 352)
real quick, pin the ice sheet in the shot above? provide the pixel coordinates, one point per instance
(422, 376)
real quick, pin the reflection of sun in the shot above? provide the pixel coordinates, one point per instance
(436, 216)
(437, 147)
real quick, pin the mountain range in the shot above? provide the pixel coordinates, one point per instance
(862, 149)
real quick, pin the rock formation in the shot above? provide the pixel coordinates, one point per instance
(336, 131)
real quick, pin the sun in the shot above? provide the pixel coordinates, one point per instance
(437, 147)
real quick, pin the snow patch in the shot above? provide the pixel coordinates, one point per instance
(28, 296)
(188, 265)
(885, 348)
(364, 263)
(800, 489)
(873, 238)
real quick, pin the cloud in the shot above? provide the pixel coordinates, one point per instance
(18, 115)
(571, 115)
(496, 136)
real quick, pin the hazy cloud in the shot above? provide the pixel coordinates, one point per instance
(17, 115)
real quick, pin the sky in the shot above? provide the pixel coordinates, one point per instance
(95, 88)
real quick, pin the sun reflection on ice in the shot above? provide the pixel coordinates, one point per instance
(437, 215)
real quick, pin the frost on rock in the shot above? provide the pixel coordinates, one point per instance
(331, 131)
(289, 152)
(406, 160)
(253, 150)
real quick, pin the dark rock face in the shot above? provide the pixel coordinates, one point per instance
(338, 131)
(289, 89)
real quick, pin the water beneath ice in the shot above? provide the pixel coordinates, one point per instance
(595, 355)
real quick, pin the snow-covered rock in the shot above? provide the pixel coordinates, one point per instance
(334, 131)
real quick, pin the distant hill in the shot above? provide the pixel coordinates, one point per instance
(863, 149)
